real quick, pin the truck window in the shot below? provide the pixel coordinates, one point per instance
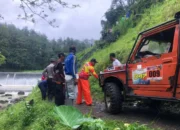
(156, 44)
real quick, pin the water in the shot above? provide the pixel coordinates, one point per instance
(16, 81)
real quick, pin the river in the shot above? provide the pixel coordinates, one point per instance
(16, 85)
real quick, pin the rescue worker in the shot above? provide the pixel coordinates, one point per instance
(50, 73)
(71, 72)
(83, 83)
(59, 79)
(115, 62)
(43, 87)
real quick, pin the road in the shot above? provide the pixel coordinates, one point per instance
(154, 119)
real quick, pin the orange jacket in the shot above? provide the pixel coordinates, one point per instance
(87, 70)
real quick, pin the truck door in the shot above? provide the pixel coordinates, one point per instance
(152, 66)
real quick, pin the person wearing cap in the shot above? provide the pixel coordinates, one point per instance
(71, 72)
(83, 83)
(50, 73)
(59, 79)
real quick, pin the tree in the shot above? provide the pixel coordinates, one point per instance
(31, 9)
(2, 59)
(28, 50)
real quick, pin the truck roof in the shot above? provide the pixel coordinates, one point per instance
(171, 22)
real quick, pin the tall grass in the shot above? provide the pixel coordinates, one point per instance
(155, 15)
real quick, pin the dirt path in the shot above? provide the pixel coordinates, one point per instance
(164, 121)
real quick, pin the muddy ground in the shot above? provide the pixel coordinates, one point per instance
(153, 118)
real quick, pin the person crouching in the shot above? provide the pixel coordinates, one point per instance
(43, 87)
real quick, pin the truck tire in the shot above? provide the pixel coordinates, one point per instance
(113, 98)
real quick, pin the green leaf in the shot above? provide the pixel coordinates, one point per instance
(70, 116)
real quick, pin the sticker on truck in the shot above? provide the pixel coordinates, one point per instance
(147, 75)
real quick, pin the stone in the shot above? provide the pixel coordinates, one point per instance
(21, 93)
(16, 100)
(9, 105)
(2, 92)
(8, 95)
(3, 101)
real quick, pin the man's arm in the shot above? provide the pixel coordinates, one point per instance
(44, 71)
(93, 72)
(74, 67)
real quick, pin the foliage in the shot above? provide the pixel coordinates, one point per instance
(72, 120)
(118, 19)
(40, 116)
(156, 14)
(76, 120)
(27, 50)
(2, 59)
(34, 9)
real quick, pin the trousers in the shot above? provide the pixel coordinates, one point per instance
(84, 90)
(51, 88)
(43, 90)
(59, 95)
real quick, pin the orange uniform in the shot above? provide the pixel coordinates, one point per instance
(83, 83)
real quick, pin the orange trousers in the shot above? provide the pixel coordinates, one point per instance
(84, 90)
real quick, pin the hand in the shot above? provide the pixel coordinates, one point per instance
(75, 81)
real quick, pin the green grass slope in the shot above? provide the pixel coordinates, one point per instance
(155, 15)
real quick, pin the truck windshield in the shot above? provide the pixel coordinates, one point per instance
(156, 44)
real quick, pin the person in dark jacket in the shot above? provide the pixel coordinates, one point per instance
(43, 88)
(59, 79)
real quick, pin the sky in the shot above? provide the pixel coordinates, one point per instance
(80, 23)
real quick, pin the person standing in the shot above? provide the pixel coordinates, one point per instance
(59, 79)
(50, 73)
(115, 62)
(83, 83)
(71, 71)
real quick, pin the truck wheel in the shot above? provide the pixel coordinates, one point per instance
(113, 98)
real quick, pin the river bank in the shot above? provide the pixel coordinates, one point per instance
(10, 98)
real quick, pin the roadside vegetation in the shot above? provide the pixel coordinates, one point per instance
(156, 14)
(42, 115)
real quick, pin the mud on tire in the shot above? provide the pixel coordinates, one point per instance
(113, 98)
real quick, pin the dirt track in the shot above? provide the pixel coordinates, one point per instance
(164, 121)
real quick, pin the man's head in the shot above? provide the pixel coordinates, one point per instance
(72, 49)
(52, 60)
(93, 61)
(112, 56)
(61, 56)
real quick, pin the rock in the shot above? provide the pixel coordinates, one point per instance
(2, 92)
(21, 93)
(15, 100)
(9, 105)
(3, 101)
(7, 95)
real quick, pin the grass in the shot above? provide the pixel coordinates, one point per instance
(155, 15)
(40, 117)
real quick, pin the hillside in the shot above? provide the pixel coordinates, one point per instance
(155, 15)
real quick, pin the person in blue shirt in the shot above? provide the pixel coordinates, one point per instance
(43, 88)
(70, 74)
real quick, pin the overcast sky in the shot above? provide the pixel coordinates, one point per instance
(79, 23)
